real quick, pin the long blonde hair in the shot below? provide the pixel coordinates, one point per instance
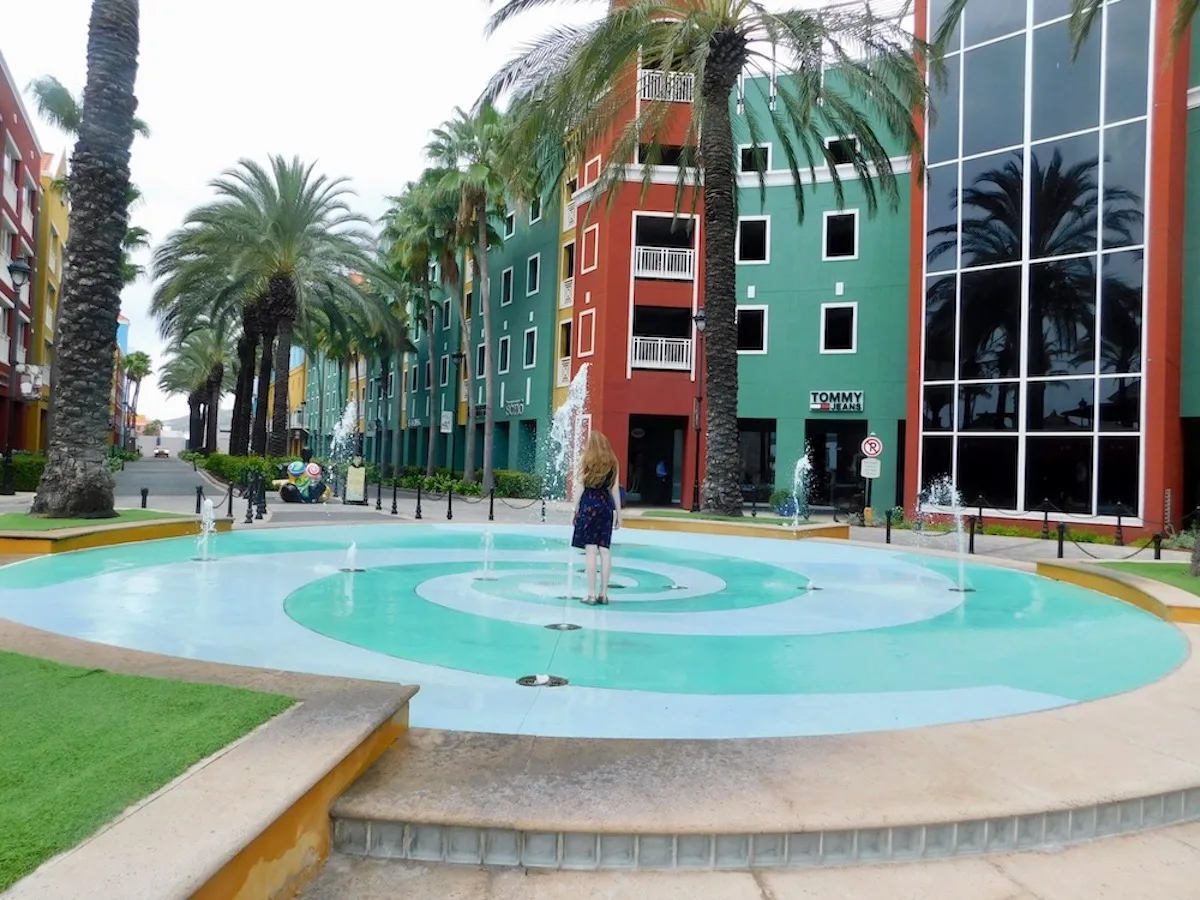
(598, 461)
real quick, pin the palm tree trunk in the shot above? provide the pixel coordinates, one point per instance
(317, 448)
(468, 361)
(214, 407)
(258, 437)
(195, 421)
(279, 415)
(247, 348)
(76, 481)
(381, 411)
(430, 324)
(489, 375)
(722, 482)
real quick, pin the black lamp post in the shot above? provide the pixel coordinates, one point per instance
(701, 320)
(19, 271)
(458, 361)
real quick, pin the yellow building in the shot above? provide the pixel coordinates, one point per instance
(53, 225)
(297, 392)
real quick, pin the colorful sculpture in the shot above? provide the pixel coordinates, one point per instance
(305, 483)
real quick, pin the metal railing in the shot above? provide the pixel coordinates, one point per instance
(564, 372)
(566, 294)
(664, 262)
(27, 219)
(674, 354)
(298, 419)
(670, 87)
(10, 193)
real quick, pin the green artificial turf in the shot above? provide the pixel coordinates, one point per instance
(1174, 574)
(26, 522)
(78, 746)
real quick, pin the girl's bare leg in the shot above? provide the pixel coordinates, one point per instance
(591, 569)
(605, 571)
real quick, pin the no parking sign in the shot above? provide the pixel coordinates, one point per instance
(872, 446)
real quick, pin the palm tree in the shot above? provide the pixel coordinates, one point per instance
(472, 151)
(76, 481)
(575, 82)
(137, 367)
(201, 365)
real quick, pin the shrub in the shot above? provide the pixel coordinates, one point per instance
(232, 469)
(518, 485)
(27, 470)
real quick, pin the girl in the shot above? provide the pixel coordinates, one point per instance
(597, 512)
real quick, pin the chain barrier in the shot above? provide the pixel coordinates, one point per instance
(516, 506)
(1079, 546)
(463, 498)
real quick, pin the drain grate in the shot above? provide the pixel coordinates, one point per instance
(564, 626)
(678, 587)
(533, 681)
(344, 569)
(962, 590)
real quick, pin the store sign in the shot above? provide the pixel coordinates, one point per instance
(836, 401)
(870, 467)
(414, 422)
(447, 421)
(356, 485)
(514, 407)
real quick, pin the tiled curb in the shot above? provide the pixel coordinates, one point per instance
(428, 842)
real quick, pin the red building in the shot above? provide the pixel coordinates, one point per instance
(19, 199)
(638, 272)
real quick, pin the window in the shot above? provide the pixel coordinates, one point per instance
(841, 151)
(415, 376)
(755, 159)
(391, 383)
(530, 359)
(587, 333)
(429, 373)
(564, 339)
(754, 239)
(371, 388)
(444, 371)
(479, 361)
(502, 353)
(445, 314)
(535, 210)
(839, 327)
(510, 225)
(469, 301)
(673, 155)
(841, 235)
(506, 287)
(752, 329)
(591, 249)
(533, 275)
(591, 171)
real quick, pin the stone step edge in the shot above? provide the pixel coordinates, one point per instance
(466, 845)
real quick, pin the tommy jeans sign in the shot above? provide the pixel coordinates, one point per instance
(835, 401)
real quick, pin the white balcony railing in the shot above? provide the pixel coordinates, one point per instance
(20, 353)
(569, 217)
(52, 261)
(4, 345)
(27, 219)
(48, 321)
(664, 262)
(566, 294)
(670, 87)
(564, 372)
(297, 419)
(10, 193)
(674, 354)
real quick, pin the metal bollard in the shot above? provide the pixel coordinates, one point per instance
(199, 497)
(249, 507)
(753, 507)
(887, 527)
(543, 510)
(971, 535)
(262, 496)
(418, 500)
(1062, 536)
(492, 505)
(449, 503)
(229, 513)
(1158, 546)
(1046, 519)
(1119, 537)
(379, 494)
(395, 511)
(145, 494)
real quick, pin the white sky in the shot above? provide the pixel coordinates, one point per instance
(355, 85)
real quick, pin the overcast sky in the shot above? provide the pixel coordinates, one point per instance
(355, 85)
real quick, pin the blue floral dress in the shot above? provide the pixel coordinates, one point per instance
(594, 520)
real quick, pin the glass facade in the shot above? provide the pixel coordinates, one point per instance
(1034, 263)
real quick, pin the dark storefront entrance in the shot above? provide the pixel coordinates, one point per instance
(654, 440)
(835, 446)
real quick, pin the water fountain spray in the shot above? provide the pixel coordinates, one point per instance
(208, 527)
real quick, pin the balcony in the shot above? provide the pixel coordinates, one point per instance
(563, 378)
(672, 354)
(52, 261)
(566, 294)
(20, 354)
(569, 217)
(27, 219)
(664, 262)
(48, 321)
(10, 193)
(668, 87)
(297, 419)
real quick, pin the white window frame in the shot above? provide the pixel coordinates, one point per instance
(587, 167)
(509, 274)
(428, 374)
(742, 147)
(766, 331)
(480, 362)
(851, 305)
(504, 354)
(391, 383)
(582, 261)
(446, 314)
(829, 214)
(526, 363)
(535, 204)
(849, 137)
(738, 242)
(510, 225)
(443, 370)
(590, 315)
(416, 379)
(538, 286)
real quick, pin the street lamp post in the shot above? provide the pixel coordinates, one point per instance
(701, 320)
(458, 361)
(19, 271)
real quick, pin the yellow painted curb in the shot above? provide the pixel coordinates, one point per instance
(737, 529)
(1097, 579)
(35, 543)
(289, 852)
